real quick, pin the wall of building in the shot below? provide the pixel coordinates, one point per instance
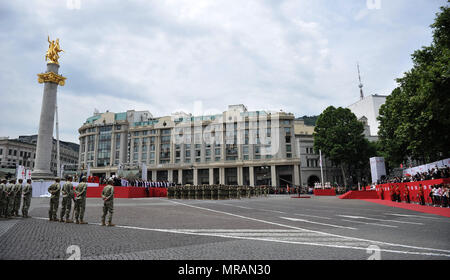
(369, 107)
(235, 147)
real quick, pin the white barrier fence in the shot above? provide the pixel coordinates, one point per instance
(424, 168)
(40, 188)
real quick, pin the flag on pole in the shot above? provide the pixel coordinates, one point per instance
(28, 174)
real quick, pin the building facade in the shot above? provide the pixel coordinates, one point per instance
(237, 147)
(22, 151)
(367, 110)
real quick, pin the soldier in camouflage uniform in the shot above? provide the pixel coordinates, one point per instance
(17, 197)
(10, 198)
(80, 201)
(2, 198)
(66, 204)
(108, 206)
(54, 190)
(27, 193)
(170, 192)
(177, 192)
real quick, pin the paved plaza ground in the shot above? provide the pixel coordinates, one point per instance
(272, 228)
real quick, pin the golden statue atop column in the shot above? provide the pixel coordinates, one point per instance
(53, 50)
(52, 56)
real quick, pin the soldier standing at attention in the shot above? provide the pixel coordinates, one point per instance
(10, 198)
(54, 190)
(27, 193)
(66, 204)
(108, 206)
(17, 197)
(80, 201)
(2, 198)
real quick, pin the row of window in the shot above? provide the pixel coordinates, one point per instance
(14, 153)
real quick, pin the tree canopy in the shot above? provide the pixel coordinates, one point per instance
(415, 120)
(340, 136)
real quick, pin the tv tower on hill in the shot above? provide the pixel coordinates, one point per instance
(360, 84)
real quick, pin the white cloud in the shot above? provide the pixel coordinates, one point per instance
(299, 56)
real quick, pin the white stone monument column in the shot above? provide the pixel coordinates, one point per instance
(180, 176)
(44, 145)
(195, 176)
(240, 175)
(170, 175)
(273, 175)
(222, 175)
(251, 172)
(211, 176)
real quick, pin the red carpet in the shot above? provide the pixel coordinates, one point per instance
(359, 195)
(324, 192)
(414, 207)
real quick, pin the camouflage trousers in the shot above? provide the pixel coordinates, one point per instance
(9, 207)
(2, 207)
(53, 208)
(26, 205)
(80, 205)
(17, 201)
(66, 206)
(108, 206)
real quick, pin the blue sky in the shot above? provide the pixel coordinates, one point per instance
(166, 56)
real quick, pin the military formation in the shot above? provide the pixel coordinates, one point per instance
(13, 195)
(216, 192)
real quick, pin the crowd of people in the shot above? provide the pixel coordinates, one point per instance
(124, 182)
(118, 181)
(438, 195)
(431, 174)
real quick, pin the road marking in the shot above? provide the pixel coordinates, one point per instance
(329, 234)
(312, 216)
(414, 216)
(243, 207)
(289, 237)
(311, 222)
(273, 211)
(341, 245)
(383, 220)
(375, 224)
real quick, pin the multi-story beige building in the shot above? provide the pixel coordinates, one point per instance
(236, 147)
(22, 151)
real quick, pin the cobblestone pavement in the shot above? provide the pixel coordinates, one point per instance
(278, 227)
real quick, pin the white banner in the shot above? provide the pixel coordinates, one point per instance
(20, 172)
(424, 168)
(377, 168)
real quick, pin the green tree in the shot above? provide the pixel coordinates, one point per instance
(340, 136)
(415, 120)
